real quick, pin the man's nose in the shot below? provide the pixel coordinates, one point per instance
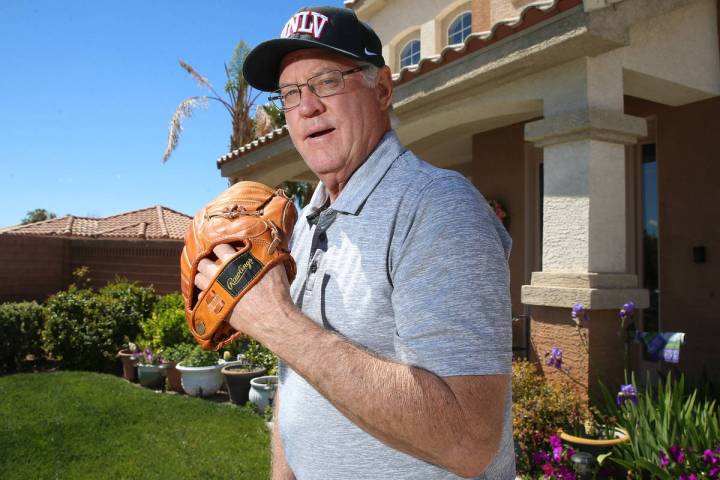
(310, 104)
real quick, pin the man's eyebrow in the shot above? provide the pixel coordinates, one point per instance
(314, 73)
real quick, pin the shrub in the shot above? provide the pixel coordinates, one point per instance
(166, 327)
(85, 329)
(177, 353)
(20, 324)
(127, 303)
(255, 353)
(540, 409)
(672, 434)
(201, 358)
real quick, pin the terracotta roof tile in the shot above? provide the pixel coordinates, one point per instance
(531, 14)
(148, 223)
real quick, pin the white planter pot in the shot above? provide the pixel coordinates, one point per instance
(262, 391)
(200, 381)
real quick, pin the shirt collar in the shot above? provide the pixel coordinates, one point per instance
(364, 180)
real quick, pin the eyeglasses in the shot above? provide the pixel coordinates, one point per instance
(323, 85)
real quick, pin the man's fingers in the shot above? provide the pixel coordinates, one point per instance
(201, 281)
(206, 270)
(207, 267)
(224, 250)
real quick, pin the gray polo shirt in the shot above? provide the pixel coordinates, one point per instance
(410, 263)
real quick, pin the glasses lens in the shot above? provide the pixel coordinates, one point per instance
(327, 84)
(288, 97)
(276, 100)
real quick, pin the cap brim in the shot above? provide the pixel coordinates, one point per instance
(261, 68)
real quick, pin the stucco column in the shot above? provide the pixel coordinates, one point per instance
(584, 247)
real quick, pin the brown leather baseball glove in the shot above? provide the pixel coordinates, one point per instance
(258, 222)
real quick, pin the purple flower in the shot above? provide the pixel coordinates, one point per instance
(548, 470)
(664, 460)
(557, 454)
(688, 476)
(627, 392)
(713, 473)
(540, 457)
(578, 311)
(565, 473)
(627, 310)
(710, 457)
(554, 357)
(555, 441)
(677, 454)
(148, 354)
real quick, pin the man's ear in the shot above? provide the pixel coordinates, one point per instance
(384, 87)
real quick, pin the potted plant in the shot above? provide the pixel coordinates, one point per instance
(151, 369)
(597, 436)
(128, 357)
(262, 391)
(237, 379)
(174, 355)
(200, 372)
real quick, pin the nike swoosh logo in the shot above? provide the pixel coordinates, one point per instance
(367, 52)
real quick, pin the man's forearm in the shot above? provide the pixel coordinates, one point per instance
(407, 408)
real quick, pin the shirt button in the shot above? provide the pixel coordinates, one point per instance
(313, 267)
(322, 237)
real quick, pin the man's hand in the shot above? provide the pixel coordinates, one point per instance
(268, 298)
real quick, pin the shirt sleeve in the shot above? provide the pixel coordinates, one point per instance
(451, 294)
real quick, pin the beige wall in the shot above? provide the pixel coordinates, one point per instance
(428, 20)
(688, 147)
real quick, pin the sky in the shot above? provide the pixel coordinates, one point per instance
(87, 89)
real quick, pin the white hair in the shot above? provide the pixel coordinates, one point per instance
(370, 74)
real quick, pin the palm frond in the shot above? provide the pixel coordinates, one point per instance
(183, 111)
(202, 81)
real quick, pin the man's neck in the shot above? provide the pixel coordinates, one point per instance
(335, 181)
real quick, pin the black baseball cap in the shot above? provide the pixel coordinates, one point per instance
(330, 28)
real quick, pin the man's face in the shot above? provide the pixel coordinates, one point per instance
(335, 134)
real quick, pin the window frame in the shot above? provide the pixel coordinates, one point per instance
(412, 54)
(452, 22)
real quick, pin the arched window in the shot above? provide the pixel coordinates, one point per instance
(459, 28)
(410, 53)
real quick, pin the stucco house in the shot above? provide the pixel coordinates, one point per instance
(596, 124)
(142, 245)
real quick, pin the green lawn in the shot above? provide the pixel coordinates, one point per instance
(67, 425)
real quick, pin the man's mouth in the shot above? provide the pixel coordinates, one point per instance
(321, 133)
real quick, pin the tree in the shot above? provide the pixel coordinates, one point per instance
(37, 215)
(238, 101)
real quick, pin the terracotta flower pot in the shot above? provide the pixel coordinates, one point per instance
(129, 364)
(237, 381)
(174, 378)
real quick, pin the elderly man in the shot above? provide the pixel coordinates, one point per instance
(394, 338)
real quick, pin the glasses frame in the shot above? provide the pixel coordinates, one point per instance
(277, 98)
